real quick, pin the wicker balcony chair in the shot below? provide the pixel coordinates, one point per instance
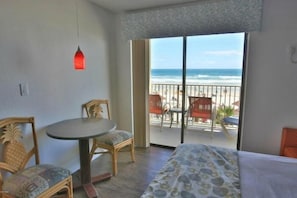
(112, 141)
(40, 180)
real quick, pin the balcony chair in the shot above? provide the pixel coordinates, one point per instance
(229, 120)
(288, 146)
(40, 180)
(200, 108)
(113, 141)
(157, 107)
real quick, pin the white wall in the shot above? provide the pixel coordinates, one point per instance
(271, 101)
(37, 42)
(272, 82)
(124, 81)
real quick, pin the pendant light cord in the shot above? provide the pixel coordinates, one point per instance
(77, 24)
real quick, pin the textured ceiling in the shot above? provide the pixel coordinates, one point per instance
(127, 5)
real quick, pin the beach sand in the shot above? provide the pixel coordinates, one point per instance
(220, 94)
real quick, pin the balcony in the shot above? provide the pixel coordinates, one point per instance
(222, 95)
(198, 131)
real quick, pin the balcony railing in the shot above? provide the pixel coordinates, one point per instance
(227, 96)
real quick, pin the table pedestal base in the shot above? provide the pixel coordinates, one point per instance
(172, 112)
(89, 188)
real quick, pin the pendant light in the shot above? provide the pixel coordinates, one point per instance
(79, 58)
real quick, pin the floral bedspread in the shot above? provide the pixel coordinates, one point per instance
(196, 170)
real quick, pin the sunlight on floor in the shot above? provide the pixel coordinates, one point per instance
(198, 134)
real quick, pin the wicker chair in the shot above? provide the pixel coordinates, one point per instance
(40, 181)
(112, 141)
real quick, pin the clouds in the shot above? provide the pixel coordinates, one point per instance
(224, 52)
(217, 59)
(208, 51)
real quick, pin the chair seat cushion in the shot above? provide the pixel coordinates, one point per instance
(114, 137)
(231, 120)
(32, 181)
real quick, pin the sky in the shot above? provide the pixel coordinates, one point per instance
(207, 51)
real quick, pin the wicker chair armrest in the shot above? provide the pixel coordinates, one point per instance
(6, 167)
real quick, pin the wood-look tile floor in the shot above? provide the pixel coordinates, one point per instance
(132, 178)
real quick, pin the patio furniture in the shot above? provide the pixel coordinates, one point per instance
(40, 180)
(200, 108)
(288, 146)
(83, 129)
(229, 120)
(114, 140)
(157, 107)
(176, 111)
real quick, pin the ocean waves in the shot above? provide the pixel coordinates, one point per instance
(224, 77)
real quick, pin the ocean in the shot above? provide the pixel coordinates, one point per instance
(231, 77)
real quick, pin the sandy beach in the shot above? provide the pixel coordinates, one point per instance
(220, 94)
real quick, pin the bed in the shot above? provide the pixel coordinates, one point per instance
(197, 170)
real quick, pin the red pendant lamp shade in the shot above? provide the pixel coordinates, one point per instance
(79, 60)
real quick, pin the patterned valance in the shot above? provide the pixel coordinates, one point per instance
(200, 18)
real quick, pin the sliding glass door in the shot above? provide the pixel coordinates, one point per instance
(186, 69)
(166, 63)
(213, 77)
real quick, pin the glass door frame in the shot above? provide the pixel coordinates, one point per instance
(242, 92)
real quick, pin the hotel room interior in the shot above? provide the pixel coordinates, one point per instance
(38, 40)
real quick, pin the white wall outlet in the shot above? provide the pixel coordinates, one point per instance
(24, 89)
